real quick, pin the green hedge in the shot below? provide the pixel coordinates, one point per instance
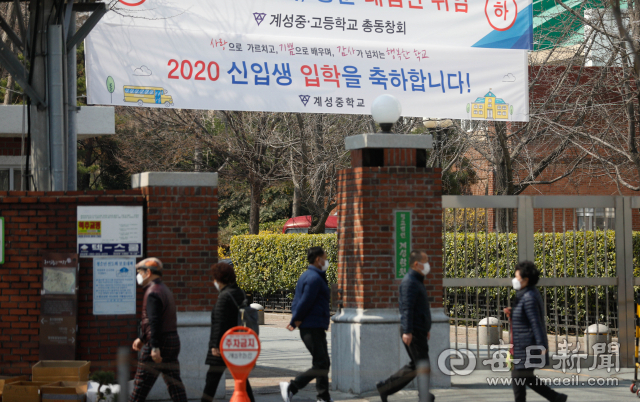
(497, 255)
(269, 263)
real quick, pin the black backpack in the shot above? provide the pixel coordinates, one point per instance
(247, 315)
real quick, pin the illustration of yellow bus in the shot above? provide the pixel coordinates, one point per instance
(142, 95)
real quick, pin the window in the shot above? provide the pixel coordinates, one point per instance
(596, 218)
(10, 179)
(297, 230)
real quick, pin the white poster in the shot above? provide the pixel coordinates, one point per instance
(114, 286)
(110, 231)
(504, 24)
(194, 69)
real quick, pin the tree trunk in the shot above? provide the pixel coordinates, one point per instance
(318, 223)
(11, 17)
(299, 178)
(256, 201)
(198, 160)
(84, 182)
(297, 201)
(504, 179)
(8, 95)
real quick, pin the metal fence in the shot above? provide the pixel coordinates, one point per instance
(581, 244)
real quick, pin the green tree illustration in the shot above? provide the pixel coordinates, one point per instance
(111, 86)
(468, 107)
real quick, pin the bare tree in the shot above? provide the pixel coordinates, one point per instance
(316, 156)
(613, 140)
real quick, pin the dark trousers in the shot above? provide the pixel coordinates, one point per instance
(213, 379)
(418, 351)
(148, 371)
(520, 387)
(315, 339)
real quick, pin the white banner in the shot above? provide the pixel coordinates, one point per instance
(504, 24)
(191, 69)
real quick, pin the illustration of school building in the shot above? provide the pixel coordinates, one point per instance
(489, 107)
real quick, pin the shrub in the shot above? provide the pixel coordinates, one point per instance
(269, 263)
(226, 233)
(580, 254)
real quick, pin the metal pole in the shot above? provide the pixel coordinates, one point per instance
(72, 82)
(56, 105)
(123, 372)
(424, 372)
(39, 161)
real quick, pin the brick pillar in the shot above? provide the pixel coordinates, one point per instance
(388, 174)
(182, 231)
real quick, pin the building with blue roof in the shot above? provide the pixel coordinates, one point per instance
(489, 107)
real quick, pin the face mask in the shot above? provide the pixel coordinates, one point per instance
(426, 268)
(516, 284)
(216, 285)
(325, 266)
(139, 279)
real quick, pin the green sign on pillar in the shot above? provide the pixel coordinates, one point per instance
(403, 242)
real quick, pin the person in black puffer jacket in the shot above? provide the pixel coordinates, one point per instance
(415, 323)
(224, 316)
(530, 343)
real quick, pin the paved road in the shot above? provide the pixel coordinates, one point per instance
(284, 355)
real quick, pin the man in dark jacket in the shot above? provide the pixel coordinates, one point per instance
(158, 337)
(530, 342)
(310, 313)
(415, 320)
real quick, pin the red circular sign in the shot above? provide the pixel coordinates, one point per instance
(131, 4)
(501, 14)
(240, 348)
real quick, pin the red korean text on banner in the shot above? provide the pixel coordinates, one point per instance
(240, 349)
(501, 14)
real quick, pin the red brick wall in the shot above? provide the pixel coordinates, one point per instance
(10, 146)
(180, 228)
(366, 252)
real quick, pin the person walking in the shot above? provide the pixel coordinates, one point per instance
(310, 313)
(529, 332)
(415, 313)
(224, 316)
(158, 339)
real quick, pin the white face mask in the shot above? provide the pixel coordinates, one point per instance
(216, 285)
(426, 268)
(139, 279)
(325, 266)
(516, 284)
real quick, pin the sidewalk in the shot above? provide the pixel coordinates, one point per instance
(284, 356)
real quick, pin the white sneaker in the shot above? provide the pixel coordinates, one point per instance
(284, 391)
